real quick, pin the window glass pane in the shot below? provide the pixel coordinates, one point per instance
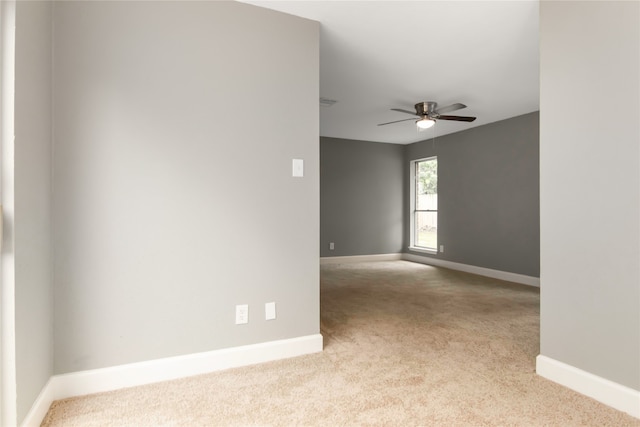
(426, 229)
(427, 202)
(427, 185)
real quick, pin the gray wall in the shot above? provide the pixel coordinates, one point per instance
(32, 195)
(174, 199)
(590, 187)
(360, 197)
(488, 187)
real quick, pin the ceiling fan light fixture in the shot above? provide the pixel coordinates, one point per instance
(425, 123)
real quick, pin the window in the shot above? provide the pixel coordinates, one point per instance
(424, 204)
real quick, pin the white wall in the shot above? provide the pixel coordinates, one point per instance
(175, 127)
(590, 187)
(32, 197)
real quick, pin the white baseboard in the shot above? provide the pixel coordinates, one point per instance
(605, 391)
(39, 409)
(360, 258)
(480, 271)
(135, 374)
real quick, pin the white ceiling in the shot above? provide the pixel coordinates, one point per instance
(377, 55)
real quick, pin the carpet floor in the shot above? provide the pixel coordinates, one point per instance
(405, 345)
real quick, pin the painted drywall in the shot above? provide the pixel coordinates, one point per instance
(360, 197)
(32, 196)
(590, 187)
(488, 195)
(175, 128)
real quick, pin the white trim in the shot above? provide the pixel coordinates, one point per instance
(40, 407)
(360, 258)
(412, 202)
(605, 391)
(8, 374)
(480, 271)
(135, 374)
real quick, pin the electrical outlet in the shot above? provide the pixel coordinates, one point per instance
(270, 311)
(242, 314)
(332, 246)
(442, 248)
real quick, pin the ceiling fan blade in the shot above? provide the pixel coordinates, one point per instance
(397, 121)
(457, 118)
(413, 113)
(450, 108)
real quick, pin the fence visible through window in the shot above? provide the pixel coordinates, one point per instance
(426, 223)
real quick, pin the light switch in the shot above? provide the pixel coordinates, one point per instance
(298, 167)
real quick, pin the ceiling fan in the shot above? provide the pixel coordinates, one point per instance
(429, 113)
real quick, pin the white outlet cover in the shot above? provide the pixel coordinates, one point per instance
(270, 311)
(242, 314)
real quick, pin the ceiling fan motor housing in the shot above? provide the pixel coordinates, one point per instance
(427, 109)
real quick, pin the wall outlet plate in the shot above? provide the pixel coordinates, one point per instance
(270, 311)
(242, 314)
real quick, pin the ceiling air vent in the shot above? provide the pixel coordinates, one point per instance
(326, 102)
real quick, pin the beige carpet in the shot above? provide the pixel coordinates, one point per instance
(405, 345)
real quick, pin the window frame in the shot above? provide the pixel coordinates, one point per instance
(413, 177)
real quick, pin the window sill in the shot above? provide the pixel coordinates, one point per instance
(423, 250)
